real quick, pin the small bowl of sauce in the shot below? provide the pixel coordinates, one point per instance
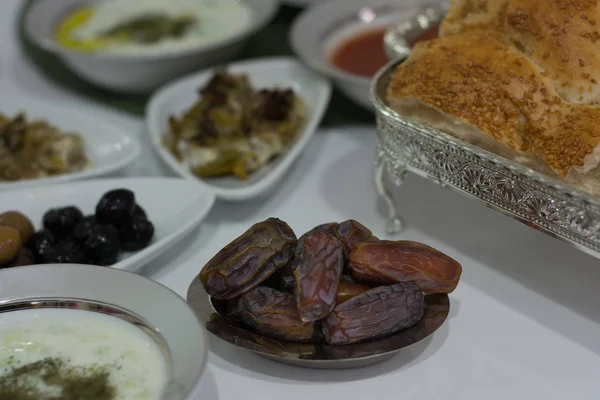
(363, 54)
(345, 40)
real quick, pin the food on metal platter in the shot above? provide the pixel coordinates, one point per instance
(297, 290)
(404, 261)
(249, 260)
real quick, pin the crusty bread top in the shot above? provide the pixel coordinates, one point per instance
(479, 77)
(561, 36)
(521, 71)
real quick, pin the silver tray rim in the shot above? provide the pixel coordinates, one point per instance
(305, 355)
(378, 98)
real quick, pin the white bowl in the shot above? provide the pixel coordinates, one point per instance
(140, 73)
(155, 309)
(178, 96)
(319, 30)
(109, 148)
(174, 206)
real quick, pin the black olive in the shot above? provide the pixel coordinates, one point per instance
(61, 221)
(140, 212)
(39, 244)
(136, 234)
(83, 229)
(65, 252)
(102, 245)
(115, 207)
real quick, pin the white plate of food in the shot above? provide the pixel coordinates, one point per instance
(239, 128)
(99, 332)
(42, 143)
(135, 46)
(123, 223)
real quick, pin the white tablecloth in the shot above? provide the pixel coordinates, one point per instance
(524, 319)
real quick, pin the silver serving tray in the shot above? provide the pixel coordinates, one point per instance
(211, 312)
(541, 202)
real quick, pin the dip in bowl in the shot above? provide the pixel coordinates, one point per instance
(344, 39)
(137, 45)
(94, 333)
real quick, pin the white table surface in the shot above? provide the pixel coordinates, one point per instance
(524, 319)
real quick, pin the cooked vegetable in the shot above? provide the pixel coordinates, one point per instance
(36, 149)
(233, 129)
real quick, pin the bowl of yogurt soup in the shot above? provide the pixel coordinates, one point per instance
(134, 46)
(344, 39)
(93, 333)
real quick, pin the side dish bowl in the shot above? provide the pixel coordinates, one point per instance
(147, 305)
(323, 28)
(177, 97)
(174, 206)
(136, 73)
(211, 313)
(109, 148)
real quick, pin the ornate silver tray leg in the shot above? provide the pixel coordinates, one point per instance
(394, 222)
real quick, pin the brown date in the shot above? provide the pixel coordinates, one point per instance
(348, 290)
(405, 261)
(249, 260)
(378, 312)
(288, 281)
(273, 314)
(318, 275)
(350, 233)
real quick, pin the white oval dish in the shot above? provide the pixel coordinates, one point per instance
(144, 72)
(177, 97)
(175, 207)
(147, 305)
(319, 30)
(109, 148)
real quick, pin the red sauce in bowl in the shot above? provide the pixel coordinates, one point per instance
(364, 54)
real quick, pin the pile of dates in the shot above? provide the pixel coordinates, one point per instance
(118, 225)
(337, 284)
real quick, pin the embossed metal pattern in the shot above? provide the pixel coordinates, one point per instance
(211, 311)
(541, 202)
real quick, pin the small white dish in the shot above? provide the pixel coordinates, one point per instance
(137, 73)
(323, 27)
(174, 206)
(177, 97)
(44, 291)
(109, 148)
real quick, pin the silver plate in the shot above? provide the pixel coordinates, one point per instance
(159, 312)
(309, 355)
(547, 204)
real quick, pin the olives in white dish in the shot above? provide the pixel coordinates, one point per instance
(65, 252)
(61, 221)
(117, 224)
(136, 234)
(82, 230)
(40, 242)
(115, 207)
(102, 245)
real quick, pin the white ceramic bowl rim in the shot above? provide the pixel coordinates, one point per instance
(41, 18)
(155, 304)
(315, 25)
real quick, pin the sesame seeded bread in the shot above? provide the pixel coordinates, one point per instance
(516, 78)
